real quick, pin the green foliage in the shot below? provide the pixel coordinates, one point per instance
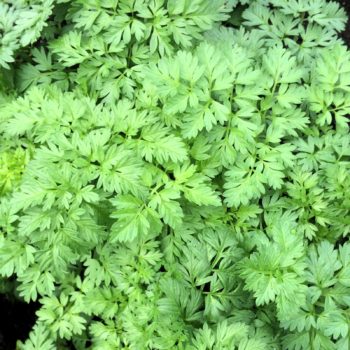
(21, 24)
(175, 174)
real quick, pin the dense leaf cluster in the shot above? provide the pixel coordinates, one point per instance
(174, 174)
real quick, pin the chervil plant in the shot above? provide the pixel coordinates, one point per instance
(175, 174)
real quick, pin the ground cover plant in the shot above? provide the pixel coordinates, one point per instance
(174, 174)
